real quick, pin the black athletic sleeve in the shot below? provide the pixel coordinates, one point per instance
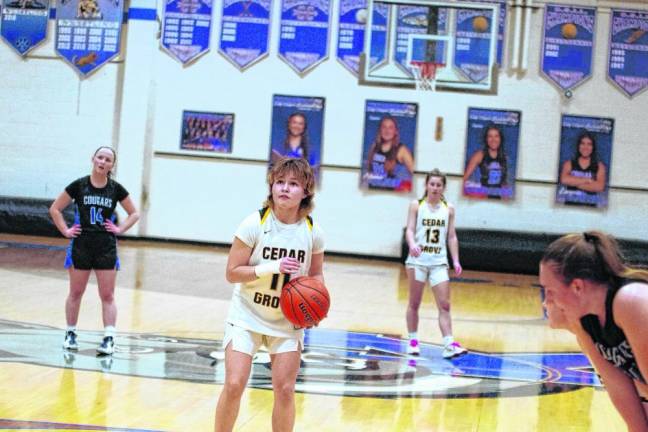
(120, 192)
(73, 188)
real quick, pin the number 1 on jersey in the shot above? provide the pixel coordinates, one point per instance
(275, 280)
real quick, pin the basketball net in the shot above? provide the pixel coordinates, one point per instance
(425, 74)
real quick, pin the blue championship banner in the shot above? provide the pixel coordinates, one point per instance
(297, 128)
(414, 20)
(24, 23)
(568, 44)
(88, 32)
(388, 145)
(351, 33)
(304, 34)
(501, 25)
(472, 43)
(186, 26)
(492, 139)
(628, 56)
(585, 160)
(245, 31)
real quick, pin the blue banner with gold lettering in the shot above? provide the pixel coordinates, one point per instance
(245, 31)
(351, 33)
(24, 23)
(186, 26)
(628, 56)
(568, 45)
(414, 20)
(472, 43)
(304, 34)
(88, 32)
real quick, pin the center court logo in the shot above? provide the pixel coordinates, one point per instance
(334, 362)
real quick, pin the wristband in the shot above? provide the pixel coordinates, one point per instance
(271, 267)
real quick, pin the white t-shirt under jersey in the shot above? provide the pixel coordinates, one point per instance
(431, 234)
(255, 304)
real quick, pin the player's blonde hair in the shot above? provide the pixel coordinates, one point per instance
(302, 170)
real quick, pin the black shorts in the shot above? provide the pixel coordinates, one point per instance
(97, 252)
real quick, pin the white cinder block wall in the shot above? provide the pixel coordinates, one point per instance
(50, 123)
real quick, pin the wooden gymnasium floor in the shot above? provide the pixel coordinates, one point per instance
(166, 375)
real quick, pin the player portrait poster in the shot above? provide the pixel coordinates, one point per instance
(207, 131)
(186, 27)
(304, 33)
(245, 31)
(297, 127)
(388, 145)
(88, 33)
(24, 23)
(628, 51)
(585, 160)
(491, 153)
(568, 45)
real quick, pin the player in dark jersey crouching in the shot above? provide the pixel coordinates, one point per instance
(591, 292)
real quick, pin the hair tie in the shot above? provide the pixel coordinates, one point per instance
(589, 237)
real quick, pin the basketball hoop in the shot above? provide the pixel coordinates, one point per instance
(425, 74)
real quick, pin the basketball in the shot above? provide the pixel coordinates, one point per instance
(361, 16)
(304, 301)
(480, 24)
(569, 30)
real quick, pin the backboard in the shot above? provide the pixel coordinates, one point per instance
(461, 36)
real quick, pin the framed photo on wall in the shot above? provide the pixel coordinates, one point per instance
(492, 138)
(207, 131)
(297, 126)
(388, 145)
(585, 158)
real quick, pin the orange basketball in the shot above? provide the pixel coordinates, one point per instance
(304, 301)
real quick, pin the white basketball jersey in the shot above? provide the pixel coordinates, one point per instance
(255, 304)
(431, 234)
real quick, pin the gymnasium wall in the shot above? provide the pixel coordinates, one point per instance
(51, 122)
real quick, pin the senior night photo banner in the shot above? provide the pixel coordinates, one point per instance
(585, 160)
(304, 33)
(628, 55)
(245, 31)
(297, 127)
(568, 45)
(388, 145)
(24, 23)
(207, 131)
(186, 27)
(492, 139)
(88, 32)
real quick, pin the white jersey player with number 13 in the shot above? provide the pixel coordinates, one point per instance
(430, 224)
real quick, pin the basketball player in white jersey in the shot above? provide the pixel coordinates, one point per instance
(430, 224)
(270, 246)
